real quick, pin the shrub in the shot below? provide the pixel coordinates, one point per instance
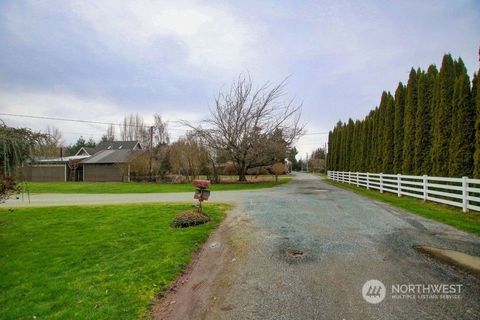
(190, 218)
(8, 186)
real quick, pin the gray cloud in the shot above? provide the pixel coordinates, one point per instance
(101, 60)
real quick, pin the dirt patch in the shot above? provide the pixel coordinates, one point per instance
(197, 289)
(461, 260)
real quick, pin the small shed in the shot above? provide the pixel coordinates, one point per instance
(52, 169)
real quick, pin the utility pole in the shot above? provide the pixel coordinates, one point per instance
(306, 160)
(151, 152)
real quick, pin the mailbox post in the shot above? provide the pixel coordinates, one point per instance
(202, 193)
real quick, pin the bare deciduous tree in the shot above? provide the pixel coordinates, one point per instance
(53, 142)
(160, 131)
(133, 128)
(278, 169)
(243, 116)
(188, 156)
(110, 135)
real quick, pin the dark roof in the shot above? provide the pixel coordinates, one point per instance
(116, 145)
(108, 156)
(111, 145)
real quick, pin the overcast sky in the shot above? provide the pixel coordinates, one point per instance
(99, 60)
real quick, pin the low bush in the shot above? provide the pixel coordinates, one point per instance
(190, 218)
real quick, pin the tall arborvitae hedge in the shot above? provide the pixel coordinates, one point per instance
(430, 126)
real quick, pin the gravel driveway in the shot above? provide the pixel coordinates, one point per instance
(304, 251)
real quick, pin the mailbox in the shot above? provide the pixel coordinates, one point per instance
(201, 193)
(202, 184)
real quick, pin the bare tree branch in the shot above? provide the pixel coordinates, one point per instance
(244, 119)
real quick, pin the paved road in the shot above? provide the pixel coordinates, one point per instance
(65, 199)
(346, 240)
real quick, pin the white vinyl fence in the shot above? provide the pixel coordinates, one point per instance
(459, 192)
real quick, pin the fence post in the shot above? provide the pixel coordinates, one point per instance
(381, 182)
(425, 187)
(399, 185)
(465, 194)
(349, 177)
(358, 181)
(368, 181)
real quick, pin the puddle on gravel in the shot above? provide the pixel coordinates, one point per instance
(313, 191)
(295, 256)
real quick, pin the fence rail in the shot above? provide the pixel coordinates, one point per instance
(459, 192)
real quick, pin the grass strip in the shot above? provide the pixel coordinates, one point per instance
(137, 187)
(93, 262)
(469, 221)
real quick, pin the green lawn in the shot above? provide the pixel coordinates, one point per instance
(92, 262)
(135, 187)
(469, 222)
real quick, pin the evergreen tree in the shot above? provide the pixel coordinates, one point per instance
(423, 131)
(409, 123)
(329, 152)
(463, 130)
(342, 147)
(460, 68)
(476, 101)
(292, 157)
(369, 144)
(349, 146)
(388, 134)
(355, 146)
(361, 147)
(377, 142)
(442, 124)
(398, 128)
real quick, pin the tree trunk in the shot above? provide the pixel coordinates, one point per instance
(242, 172)
(215, 172)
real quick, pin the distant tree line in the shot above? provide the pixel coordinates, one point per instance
(429, 126)
(250, 131)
